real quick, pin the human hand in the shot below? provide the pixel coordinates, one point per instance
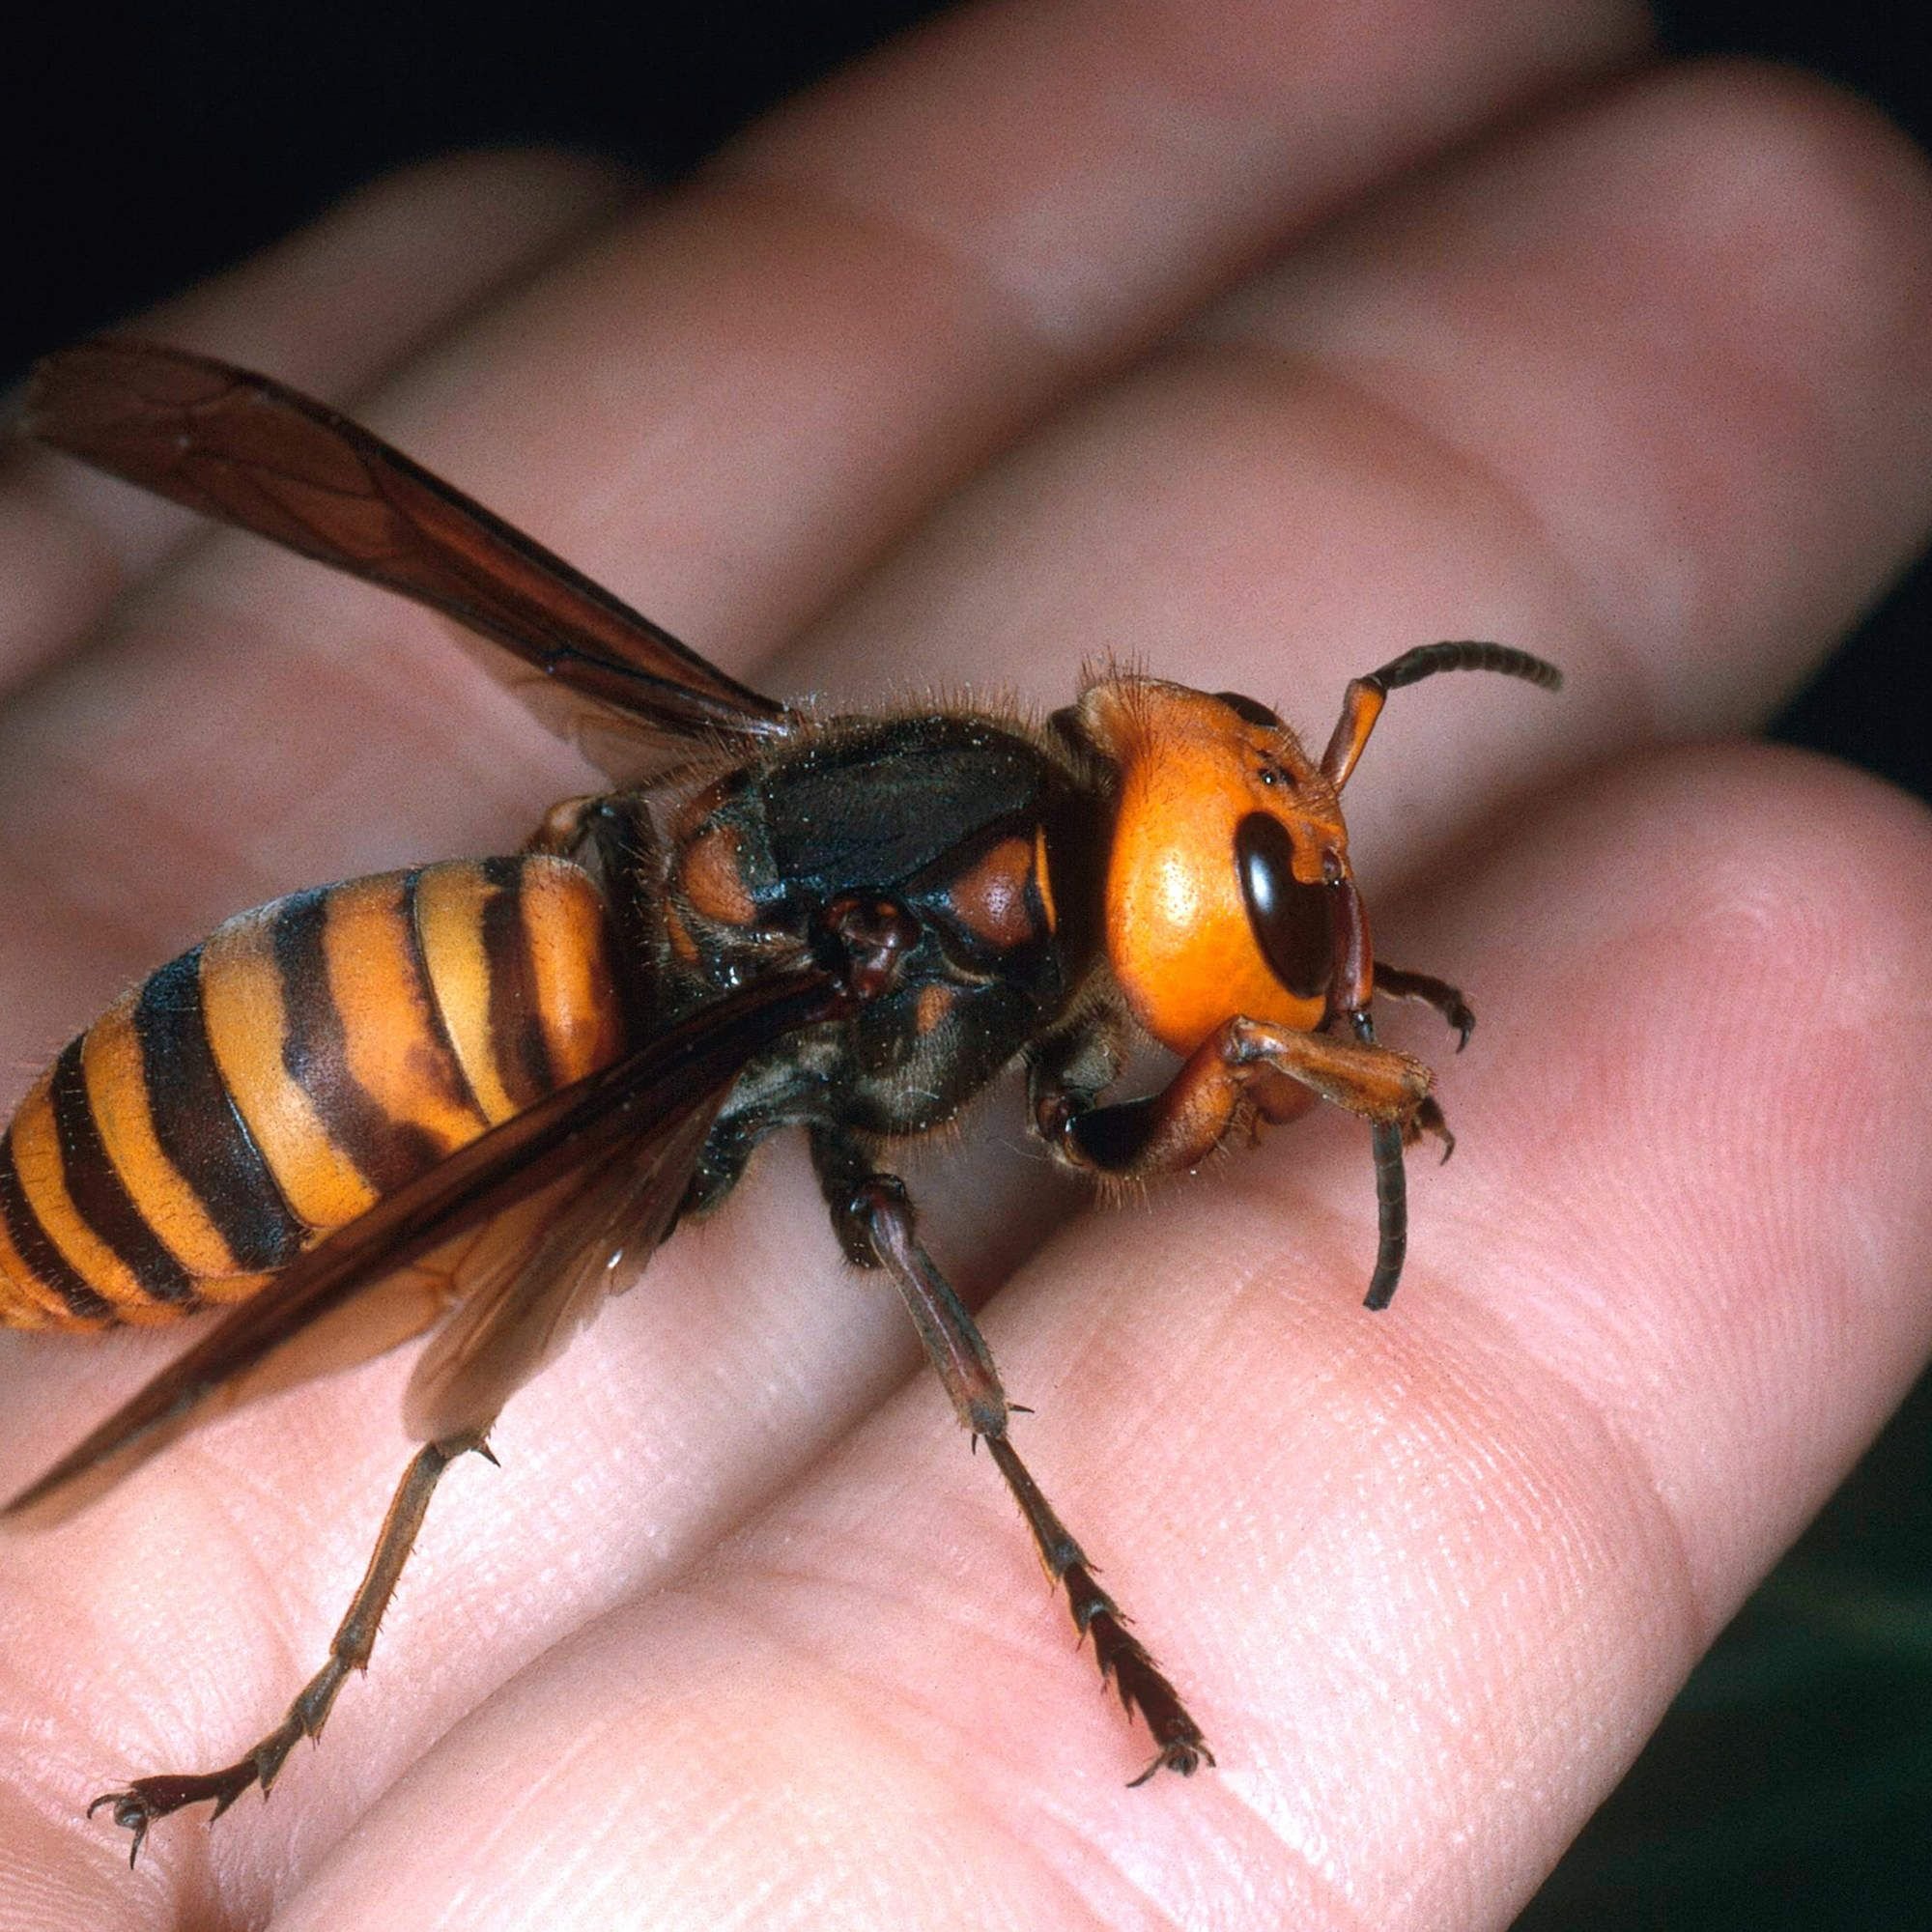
(741, 1627)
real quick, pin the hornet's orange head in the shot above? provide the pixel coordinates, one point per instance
(1228, 848)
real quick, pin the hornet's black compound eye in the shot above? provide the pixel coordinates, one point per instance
(1294, 924)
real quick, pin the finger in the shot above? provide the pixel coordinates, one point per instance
(1728, 511)
(1581, 390)
(333, 307)
(731, 404)
(1429, 1576)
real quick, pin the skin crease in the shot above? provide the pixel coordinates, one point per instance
(740, 1633)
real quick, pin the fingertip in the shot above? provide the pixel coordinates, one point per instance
(1708, 967)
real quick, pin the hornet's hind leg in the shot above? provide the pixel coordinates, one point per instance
(876, 1225)
(149, 1797)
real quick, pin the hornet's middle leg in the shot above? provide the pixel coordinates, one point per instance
(875, 1223)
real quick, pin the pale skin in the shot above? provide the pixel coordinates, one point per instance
(740, 1631)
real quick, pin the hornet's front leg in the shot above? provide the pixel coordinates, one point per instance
(1393, 982)
(1247, 1071)
(876, 1226)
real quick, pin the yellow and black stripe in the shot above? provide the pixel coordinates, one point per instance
(311, 1057)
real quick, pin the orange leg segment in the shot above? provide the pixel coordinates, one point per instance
(1248, 1071)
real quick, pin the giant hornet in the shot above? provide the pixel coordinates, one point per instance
(461, 1095)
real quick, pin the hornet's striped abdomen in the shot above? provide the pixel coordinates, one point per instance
(310, 1058)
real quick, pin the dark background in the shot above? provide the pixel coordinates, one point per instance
(1792, 1785)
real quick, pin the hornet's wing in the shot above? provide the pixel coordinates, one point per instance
(246, 451)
